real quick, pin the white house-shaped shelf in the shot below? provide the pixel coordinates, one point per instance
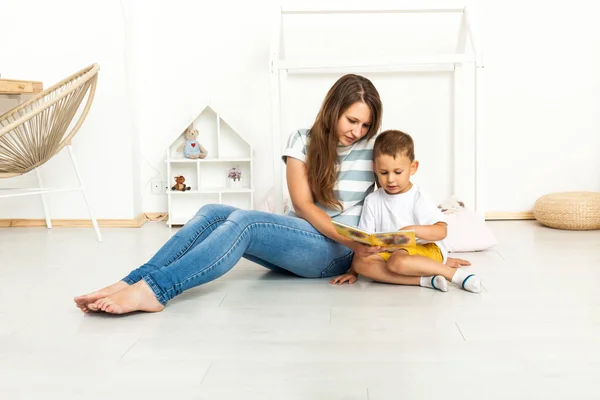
(208, 177)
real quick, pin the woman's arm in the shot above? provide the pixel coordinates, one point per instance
(304, 206)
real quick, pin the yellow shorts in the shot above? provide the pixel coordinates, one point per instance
(429, 250)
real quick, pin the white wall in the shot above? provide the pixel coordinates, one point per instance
(175, 66)
(543, 97)
(204, 52)
(542, 125)
(49, 41)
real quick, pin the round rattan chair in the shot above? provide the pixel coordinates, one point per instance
(569, 210)
(36, 130)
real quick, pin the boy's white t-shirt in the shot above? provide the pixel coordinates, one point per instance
(383, 212)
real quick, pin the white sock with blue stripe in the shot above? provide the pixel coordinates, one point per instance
(467, 281)
(436, 282)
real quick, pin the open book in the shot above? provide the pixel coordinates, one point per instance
(387, 240)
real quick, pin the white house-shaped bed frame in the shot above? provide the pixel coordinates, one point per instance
(467, 156)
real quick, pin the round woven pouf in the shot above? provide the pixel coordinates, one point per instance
(569, 210)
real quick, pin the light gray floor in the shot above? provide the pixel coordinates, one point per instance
(534, 332)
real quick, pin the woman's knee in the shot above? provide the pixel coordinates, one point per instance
(209, 210)
(245, 217)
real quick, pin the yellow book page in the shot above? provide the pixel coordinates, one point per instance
(394, 240)
(388, 240)
(352, 232)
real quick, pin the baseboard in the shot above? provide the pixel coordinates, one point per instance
(137, 222)
(156, 216)
(497, 216)
(141, 219)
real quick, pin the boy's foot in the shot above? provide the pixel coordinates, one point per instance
(469, 282)
(83, 300)
(137, 297)
(435, 282)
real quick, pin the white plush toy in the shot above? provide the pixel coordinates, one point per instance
(451, 205)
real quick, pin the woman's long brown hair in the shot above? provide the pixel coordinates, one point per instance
(321, 154)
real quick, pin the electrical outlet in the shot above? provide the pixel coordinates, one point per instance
(157, 187)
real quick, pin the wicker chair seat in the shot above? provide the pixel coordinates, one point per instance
(33, 132)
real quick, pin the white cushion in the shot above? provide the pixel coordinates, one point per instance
(467, 230)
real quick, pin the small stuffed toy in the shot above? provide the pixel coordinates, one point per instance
(179, 185)
(191, 148)
(451, 205)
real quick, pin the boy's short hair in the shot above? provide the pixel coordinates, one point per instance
(394, 143)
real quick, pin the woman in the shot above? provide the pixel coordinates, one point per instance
(328, 178)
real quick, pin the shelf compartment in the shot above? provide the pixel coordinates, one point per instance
(185, 206)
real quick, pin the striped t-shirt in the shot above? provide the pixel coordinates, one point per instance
(355, 178)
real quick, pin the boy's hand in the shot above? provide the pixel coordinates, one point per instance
(456, 262)
(347, 277)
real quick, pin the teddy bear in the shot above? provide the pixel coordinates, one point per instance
(191, 148)
(179, 185)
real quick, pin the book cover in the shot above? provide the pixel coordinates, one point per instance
(387, 240)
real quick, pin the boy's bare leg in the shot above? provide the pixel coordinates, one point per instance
(404, 264)
(374, 267)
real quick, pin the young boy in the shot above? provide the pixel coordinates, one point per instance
(401, 205)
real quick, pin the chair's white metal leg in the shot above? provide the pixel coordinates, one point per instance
(38, 174)
(87, 202)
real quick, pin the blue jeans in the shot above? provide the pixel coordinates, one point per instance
(215, 239)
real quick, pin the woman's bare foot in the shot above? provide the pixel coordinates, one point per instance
(83, 301)
(137, 297)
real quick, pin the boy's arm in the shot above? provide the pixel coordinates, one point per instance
(430, 222)
(432, 233)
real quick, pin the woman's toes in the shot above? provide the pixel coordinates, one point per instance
(97, 306)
